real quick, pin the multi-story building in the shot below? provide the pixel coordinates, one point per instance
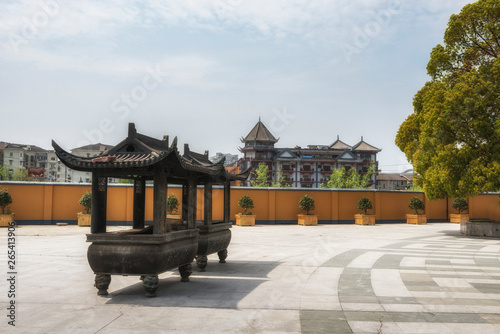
(307, 167)
(230, 158)
(88, 151)
(394, 181)
(14, 156)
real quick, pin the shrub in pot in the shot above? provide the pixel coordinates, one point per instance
(84, 218)
(6, 216)
(173, 207)
(417, 205)
(307, 204)
(364, 204)
(460, 205)
(245, 218)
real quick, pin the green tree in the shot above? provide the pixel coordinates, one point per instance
(306, 203)
(246, 202)
(4, 173)
(261, 175)
(172, 204)
(21, 175)
(5, 200)
(453, 136)
(281, 181)
(365, 204)
(416, 204)
(350, 179)
(460, 205)
(86, 202)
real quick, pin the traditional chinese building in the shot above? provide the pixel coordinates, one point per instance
(303, 167)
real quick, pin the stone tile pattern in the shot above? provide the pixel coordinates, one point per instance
(420, 285)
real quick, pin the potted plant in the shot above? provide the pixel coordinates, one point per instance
(173, 207)
(460, 205)
(416, 204)
(86, 202)
(245, 218)
(364, 219)
(306, 204)
(6, 216)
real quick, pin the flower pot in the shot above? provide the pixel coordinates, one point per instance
(459, 217)
(6, 220)
(84, 219)
(245, 220)
(308, 220)
(364, 219)
(416, 219)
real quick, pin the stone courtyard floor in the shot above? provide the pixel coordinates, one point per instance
(278, 279)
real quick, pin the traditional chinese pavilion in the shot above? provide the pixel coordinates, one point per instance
(167, 243)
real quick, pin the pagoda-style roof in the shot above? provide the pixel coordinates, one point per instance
(340, 145)
(364, 146)
(260, 133)
(139, 155)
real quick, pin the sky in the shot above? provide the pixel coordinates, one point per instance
(78, 72)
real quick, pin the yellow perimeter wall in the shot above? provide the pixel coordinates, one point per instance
(46, 203)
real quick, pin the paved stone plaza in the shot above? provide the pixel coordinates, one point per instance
(278, 279)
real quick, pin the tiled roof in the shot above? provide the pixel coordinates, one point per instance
(364, 146)
(260, 133)
(340, 145)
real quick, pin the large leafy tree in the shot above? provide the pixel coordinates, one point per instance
(453, 136)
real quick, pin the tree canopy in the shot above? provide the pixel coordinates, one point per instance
(453, 136)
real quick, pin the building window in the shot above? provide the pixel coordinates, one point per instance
(327, 168)
(307, 167)
(10, 162)
(11, 154)
(88, 155)
(286, 167)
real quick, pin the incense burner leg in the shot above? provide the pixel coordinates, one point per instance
(222, 256)
(150, 284)
(201, 262)
(185, 271)
(102, 284)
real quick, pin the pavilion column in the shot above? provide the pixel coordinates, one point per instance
(139, 202)
(160, 201)
(191, 203)
(227, 204)
(99, 203)
(207, 204)
(184, 202)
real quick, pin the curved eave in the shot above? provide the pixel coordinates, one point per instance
(86, 165)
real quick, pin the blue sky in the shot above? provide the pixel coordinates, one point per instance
(205, 71)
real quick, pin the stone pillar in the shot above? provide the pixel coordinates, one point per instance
(160, 201)
(227, 203)
(208, 204)
(99, 203)
(139, 202)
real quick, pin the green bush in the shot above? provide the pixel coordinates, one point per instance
(5, 200)
(246, 202)
(365, 204)
(172, 204)
(86, 202)
(306, 204)
(460, 205)
(416, 204)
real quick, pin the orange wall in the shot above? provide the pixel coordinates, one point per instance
(45, 203)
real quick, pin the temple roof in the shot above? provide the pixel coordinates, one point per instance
(260, 133)
(340, 145)
(139, 155)
(364, 146)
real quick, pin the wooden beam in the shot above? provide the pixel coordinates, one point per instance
(227, 202)
(184, 210)
(191, 204)
(207, 204)
(160, 201)
(139, 202)
(99, 203)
